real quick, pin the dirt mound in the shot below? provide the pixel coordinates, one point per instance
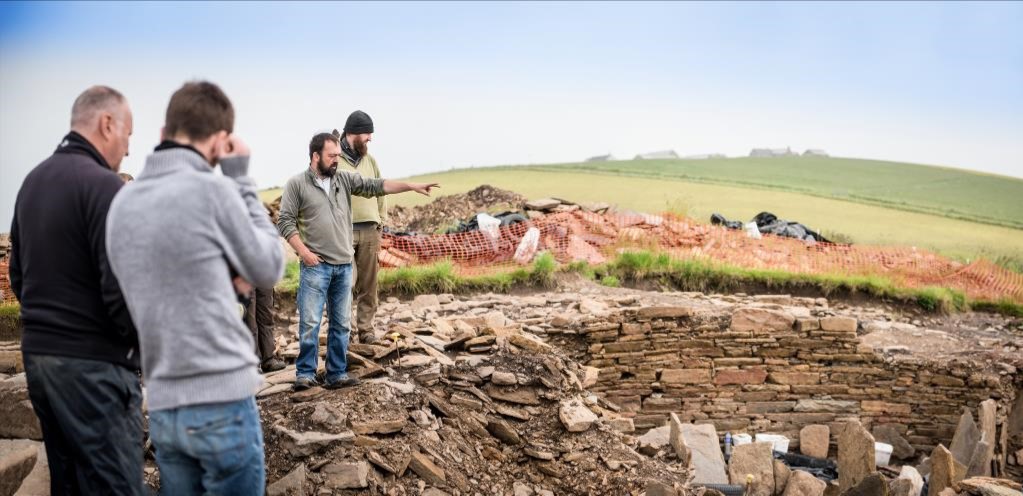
(445, 211)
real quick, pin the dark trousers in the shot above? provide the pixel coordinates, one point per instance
(259, 316)
(366, 243)
(91, 415)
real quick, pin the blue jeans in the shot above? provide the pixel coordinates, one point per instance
(320, 285)
(215, 448)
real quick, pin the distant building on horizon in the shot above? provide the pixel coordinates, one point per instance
(602, 158)
(661, 155)
(773, 152)
(705, 156)
(815, 152)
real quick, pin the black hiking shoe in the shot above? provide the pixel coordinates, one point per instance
(272, 365)
(342, 383)
(303, 383)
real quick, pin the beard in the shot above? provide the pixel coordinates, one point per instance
(362, 147)
(326, 170)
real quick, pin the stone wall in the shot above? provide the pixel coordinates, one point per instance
(763, 369)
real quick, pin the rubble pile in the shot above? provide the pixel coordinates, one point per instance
(594, 390)
(446, 211)
(464, 403)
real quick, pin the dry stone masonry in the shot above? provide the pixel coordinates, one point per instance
(784, 365)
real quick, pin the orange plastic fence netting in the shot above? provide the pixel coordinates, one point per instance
(593, 237)
(6, 294)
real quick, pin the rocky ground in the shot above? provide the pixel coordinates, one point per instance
(488, 394)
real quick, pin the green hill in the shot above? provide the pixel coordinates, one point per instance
(957, 213)
(954, 193)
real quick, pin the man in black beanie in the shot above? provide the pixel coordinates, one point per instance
(368, 217)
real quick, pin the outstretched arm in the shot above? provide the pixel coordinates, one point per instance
(392, 187)
(370, 187)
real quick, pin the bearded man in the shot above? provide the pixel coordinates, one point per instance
(316, 220)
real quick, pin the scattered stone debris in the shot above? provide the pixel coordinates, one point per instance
(592, 390)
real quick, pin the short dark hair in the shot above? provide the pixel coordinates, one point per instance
(199, 110)
(320, 139)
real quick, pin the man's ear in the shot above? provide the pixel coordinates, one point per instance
(106, 125)
(163, 133)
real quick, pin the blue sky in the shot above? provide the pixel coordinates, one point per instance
(462, 84)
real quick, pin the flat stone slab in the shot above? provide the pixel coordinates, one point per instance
(521, 396)
(346, 475)
(707, 460)
(17, 418)
(754, 459)
(575, 416)
(273, 389)
(307, 443)
(17, 458)
(814, 440)
(855, 455)
(965, 439)
(379, 426)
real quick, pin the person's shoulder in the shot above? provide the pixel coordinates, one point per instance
(294, 183)
(91, 175)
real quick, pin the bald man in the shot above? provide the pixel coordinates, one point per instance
(79, 344)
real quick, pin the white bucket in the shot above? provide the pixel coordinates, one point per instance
(882, 453)
(780, 443)
(740, 439)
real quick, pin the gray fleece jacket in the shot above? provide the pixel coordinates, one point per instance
(173, 237)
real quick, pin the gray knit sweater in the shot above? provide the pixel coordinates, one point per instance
(173, 236)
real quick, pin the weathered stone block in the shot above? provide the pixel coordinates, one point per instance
(770, 407)
(648, 313)
(661, 404)
(838, 324)
(814, 440)
(754, 319)
(740, 376)
(686, 376)
(886, 407)
(795, 377)
(832, 406)
(753, 459)
(855, 455)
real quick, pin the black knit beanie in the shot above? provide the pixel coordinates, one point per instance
(358, 123)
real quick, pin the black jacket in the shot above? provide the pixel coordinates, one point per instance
(71, 304)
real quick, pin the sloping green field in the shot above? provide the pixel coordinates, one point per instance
(864, 224)
(957, 213)
(954, 193)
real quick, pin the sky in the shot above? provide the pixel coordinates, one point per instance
(463, 84)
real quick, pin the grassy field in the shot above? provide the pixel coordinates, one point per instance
(864, 224)
(953, 193)
(688, 275)
(858, 220)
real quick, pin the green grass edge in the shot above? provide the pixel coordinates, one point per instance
(633, 267)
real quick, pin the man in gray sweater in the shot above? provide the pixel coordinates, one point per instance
(316, 219)
(177, 237)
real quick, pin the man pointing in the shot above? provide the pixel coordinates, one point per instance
(316, 219)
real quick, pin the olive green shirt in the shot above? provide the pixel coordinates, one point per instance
(365, 209)
(324, 221)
